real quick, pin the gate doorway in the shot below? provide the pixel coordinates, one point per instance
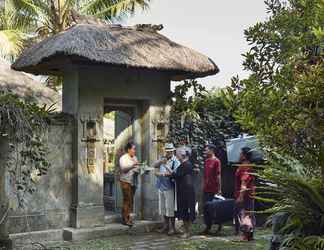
(119, 127)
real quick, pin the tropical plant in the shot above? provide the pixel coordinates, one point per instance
(303, 243)
(13, 34)
(298, 196)
(282, 103)
(53, 16)
(282, 100)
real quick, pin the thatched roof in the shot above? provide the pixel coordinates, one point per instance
(26, 87)
(114, 45)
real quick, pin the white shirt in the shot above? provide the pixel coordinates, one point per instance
(125, 162)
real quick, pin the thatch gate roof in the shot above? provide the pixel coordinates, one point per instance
(115, 45)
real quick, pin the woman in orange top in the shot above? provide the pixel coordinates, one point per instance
(244, 196)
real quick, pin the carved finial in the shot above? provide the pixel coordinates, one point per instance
(78, 18)
(149, 27)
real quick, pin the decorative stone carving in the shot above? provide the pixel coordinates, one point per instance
(90, 131)
(160, 128)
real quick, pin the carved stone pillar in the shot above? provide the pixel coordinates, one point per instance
(87, 208)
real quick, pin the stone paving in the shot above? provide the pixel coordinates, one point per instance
(149, 241)
(156, 241)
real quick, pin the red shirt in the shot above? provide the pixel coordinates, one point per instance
(211, 175)
(244, 174)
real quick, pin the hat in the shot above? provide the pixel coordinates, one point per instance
(169, 147)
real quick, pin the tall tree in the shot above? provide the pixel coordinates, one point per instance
(282, 102)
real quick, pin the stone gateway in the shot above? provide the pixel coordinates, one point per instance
(105, 68)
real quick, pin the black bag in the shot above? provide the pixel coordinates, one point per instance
(220, 211)
(171, 177)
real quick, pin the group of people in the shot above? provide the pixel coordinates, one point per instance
(176, 190)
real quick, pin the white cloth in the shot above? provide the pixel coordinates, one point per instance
(166, 203)
(125, 162)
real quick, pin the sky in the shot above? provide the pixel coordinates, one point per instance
(212, 27)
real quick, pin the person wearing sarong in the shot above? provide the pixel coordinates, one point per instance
(128, 166)
(186, 199)
(244, 196)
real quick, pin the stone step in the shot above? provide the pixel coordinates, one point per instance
(21, 240)
(112, 218)
(113, 229)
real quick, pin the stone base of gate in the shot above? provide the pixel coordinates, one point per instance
(114, 229)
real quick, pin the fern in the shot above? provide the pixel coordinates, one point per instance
(303, 243)
(294, 192)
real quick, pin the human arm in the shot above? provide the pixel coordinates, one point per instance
(171, 167)
(243, 190)
(157, 166)
(219, 177)
(158, 163)
(246, 179)
(219, 184)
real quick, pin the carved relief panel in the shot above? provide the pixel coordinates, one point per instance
(90, 133)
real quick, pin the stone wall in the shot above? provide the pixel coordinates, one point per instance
(49, 206)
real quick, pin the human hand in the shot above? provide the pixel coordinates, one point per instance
(239, 199)
(164, 160)
(136, 164)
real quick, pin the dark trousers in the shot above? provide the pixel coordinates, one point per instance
(207, 197)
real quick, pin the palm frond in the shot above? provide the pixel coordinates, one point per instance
(13, 35)
(25, 7)
(302, 243)
(12, 43)
(291, 190)
(113, 9)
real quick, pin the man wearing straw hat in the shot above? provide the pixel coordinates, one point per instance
(166, 187)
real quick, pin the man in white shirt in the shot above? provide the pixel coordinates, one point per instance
(128, 167)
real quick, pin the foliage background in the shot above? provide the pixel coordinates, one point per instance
(282, 103)
(199, 117)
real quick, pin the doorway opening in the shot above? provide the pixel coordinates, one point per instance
(118, 128)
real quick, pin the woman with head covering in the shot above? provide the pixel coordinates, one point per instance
(185, 190)
(244, 196)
